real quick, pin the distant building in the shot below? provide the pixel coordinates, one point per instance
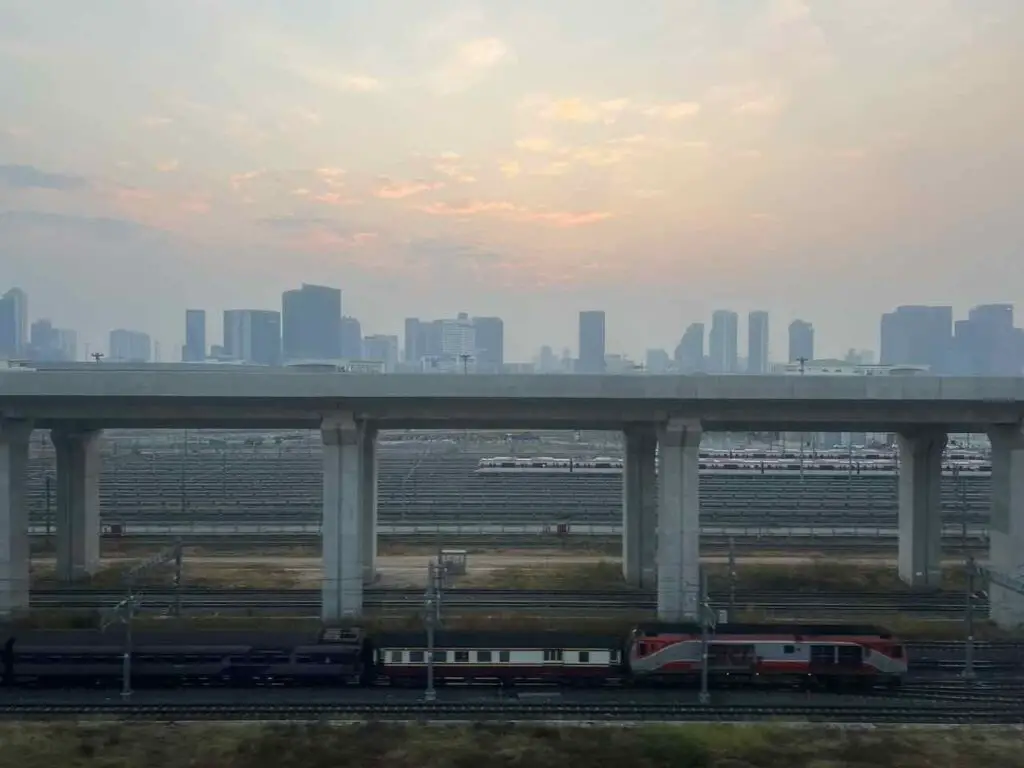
(757, 342)
(351, 338)
(14, 323)
(723, 342)
(689, 355)
(656, 361)
(311, 323)
(194, 350)
(253, 336)
(130, 347)
(381, 348)
(801, 341)
(918, 335)
(489, 339)
(591, 342)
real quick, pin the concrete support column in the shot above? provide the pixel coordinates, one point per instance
(640, 508)
(679, 521)
(14, 552)
(368, 488)
(1006, 525)
(78, 502)
(920, 507)
(342, 590)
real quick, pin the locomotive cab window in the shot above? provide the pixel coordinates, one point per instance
(789, 649)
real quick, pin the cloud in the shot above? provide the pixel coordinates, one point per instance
(468, 65)
(513, 211)
(535, 144)
(167, 166)
(30, 177)
(395, 190)
(763, 106)
(317, 234)
(452, 165)
(679, 110)
(510, 169)
(100, 227)
(154, 121)
(576, 110)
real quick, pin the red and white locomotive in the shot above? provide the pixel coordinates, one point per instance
(835, 657)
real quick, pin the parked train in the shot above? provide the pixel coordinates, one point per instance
(608, 465)
(832, 657)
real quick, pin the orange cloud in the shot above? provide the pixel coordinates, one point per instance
(167, 166)
(679, 110)
(515, 212)
(392, 190)
(575, 110)
(331, 198)
(451, 164)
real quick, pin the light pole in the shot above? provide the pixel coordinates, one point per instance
(706, 617)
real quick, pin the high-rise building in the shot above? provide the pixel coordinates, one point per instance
(458, 337)
(311, 323)
(194, 350)
(757, 342)
(14, 323)
(918, 335)
(591, 342)
(67, 344)
(351, 338)
(689, 354)
(130, 347)
(253, 336)
(723, 342)
(382, 347)
(490, 344)
(987, 343)
(413, 340)
(656, 361)
(801, 341)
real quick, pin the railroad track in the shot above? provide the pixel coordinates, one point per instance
(885, 711)
(474, 599)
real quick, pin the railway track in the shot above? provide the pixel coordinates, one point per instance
(473, 599)
(885, 711)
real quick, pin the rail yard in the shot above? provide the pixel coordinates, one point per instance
(260, 496)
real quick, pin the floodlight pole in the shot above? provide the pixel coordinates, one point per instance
(704, 697)
(430, 617)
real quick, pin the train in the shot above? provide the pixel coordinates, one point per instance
(731, 466)
(820, 657)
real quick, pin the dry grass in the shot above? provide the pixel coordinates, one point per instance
(605, 574)
(35, 745)
(822, 574)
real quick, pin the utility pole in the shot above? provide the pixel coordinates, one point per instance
(124, 613)
(705, 620)
(97, 356)
(732, 577)
(431, 616)
(803, 363)
(465, 357)
(968, 673)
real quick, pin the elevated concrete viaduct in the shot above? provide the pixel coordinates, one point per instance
(661, 535)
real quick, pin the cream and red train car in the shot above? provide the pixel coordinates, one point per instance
(499, 657)
(828, 656)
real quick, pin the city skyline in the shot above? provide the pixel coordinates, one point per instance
(826, 161)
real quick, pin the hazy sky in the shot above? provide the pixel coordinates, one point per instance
(656, 159)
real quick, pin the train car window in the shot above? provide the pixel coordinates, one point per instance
(504, 657)
(461, 657)
(440, 657)
(584, 657)
(416, 657)
(396, 657)
(789, 649)
(483, 656)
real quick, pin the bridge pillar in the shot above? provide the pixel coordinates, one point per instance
(14, 551)
(679, 521)
(78, 502)
(342, 590)
(1006, 525)
(640, 508)
(368, 488)
(920, 507)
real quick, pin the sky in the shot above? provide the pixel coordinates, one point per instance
(658, 159)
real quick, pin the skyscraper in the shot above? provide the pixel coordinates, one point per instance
(918, 335)
(194, 350)
(757, 342)
(130, 346)
(591, 342)
(690, 352)
(311, 323)
(382, 347)
(490, 344)
(14, 323)
(413, 340)
(351, 338)
(801, 341)
(253, 336)
(723, 342)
